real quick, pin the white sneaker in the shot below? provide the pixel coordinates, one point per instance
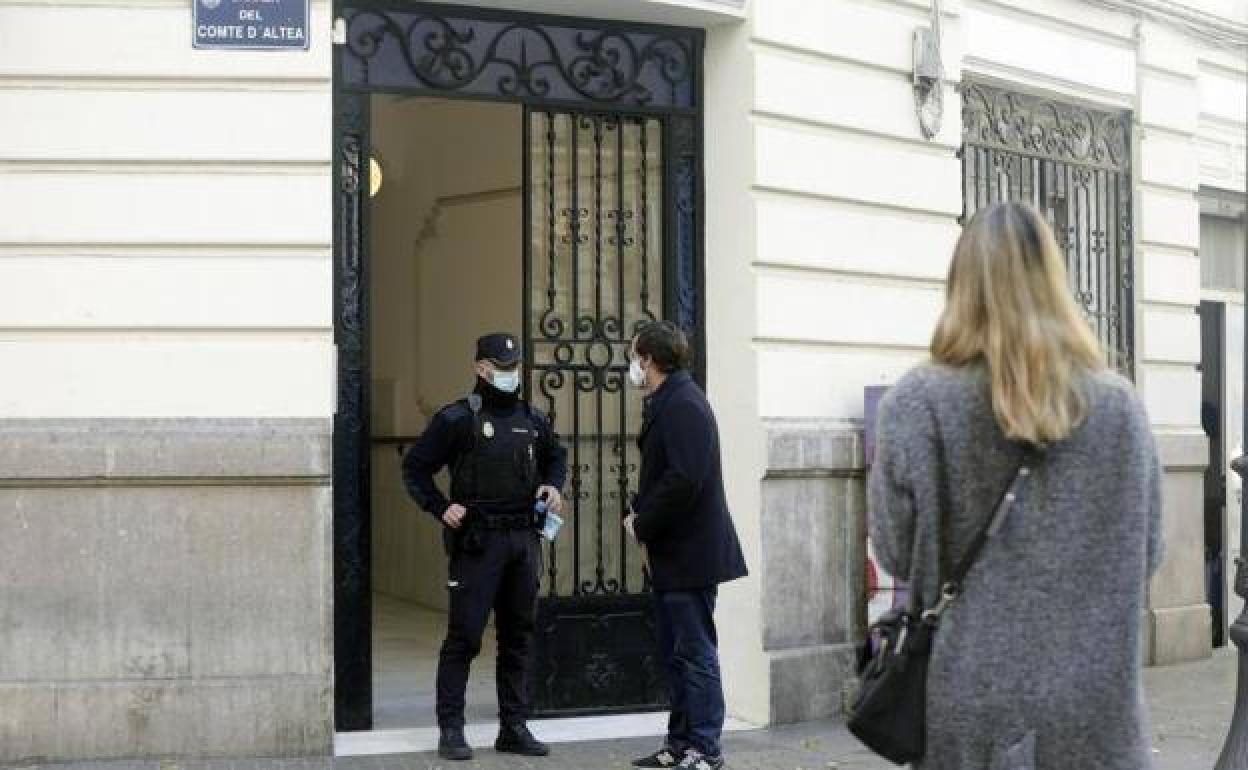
(695, 761)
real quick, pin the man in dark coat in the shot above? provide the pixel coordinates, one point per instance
(680, 517)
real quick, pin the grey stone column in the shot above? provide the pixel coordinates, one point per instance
(1180, 624)
(814, 551)
(166, 589)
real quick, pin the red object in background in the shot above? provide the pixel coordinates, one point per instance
(873, 580)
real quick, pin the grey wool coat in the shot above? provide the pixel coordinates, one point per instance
(1037, 665)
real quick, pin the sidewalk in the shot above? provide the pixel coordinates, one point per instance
(1191, 708)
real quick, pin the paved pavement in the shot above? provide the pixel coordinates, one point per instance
(1191, 708)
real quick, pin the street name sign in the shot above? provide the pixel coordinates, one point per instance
(251, 24)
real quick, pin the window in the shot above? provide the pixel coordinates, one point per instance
(1222, 241)
(1073, 163)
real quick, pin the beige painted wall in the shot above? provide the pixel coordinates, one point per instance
(141, 246)
(446, 260)
(733, 377)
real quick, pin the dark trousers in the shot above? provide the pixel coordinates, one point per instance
(503, 576)
(688, 648)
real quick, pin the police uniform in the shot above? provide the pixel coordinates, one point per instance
(499, 451)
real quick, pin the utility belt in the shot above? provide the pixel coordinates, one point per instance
(468, 539)
(531, 520)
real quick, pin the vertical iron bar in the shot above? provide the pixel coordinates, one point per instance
(552, 249)
(1083, 230)
(597, 119)
(619, 226)
(983, 190)
(1098, 258)
(1111, 253)
(1128, 270)
(622, 332)
(967, 182)
(574, 214)
(989, 177)
(1063, 201)
(599, 333)
(1033, 165)
(574, 219)
(1103, 258)
(552, 253)
(526, 267)
(1122, 203)
(643, 144)
(973, 193)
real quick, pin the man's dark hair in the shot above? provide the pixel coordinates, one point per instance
(666, 345)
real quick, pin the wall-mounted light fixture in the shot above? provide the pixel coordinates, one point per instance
(374, 174)
(929, 72)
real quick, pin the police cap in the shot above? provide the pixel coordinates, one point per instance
(501, 348)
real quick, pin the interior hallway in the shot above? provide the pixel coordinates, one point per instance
(406, 640)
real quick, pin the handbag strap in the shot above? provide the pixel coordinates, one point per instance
(951, 587)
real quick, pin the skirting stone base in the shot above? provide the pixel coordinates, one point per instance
(51, 721)
(1181, 634)
(166, 589)
(811, 682)
(1179, 620)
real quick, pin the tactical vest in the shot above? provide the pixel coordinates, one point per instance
(500, 468)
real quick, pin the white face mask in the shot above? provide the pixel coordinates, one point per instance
(507, 382)
(635, 374)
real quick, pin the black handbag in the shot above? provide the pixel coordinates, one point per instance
(889, 711)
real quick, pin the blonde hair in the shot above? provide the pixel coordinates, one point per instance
(1008, 305)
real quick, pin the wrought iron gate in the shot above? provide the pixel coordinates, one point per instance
(1073, 163)
(613, 237)
(595, 274)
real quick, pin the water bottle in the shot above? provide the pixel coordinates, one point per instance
(550, 529)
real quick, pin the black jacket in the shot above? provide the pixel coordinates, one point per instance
(682, 512)
(449, 435)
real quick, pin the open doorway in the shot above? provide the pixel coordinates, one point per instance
(447, 266)
(525, 184)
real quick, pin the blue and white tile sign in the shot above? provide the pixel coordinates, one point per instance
(251, 24)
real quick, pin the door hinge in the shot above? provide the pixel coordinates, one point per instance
(340, 32)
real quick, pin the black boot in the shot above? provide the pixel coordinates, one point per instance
(516, 739)
(452, 745)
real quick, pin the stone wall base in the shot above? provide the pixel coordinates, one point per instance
(1180, 634)
(166, 589)
(811, 683)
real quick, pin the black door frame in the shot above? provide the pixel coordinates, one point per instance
(451, 51)
(1213, 420)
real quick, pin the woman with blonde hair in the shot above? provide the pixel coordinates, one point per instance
(1035, 664)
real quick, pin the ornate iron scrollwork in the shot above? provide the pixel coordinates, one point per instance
(595, 255)
(597, 649)
(1033, 125)
(423, 48)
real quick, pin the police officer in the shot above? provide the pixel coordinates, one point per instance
(503, 456)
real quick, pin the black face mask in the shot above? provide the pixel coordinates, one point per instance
(494, 398)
